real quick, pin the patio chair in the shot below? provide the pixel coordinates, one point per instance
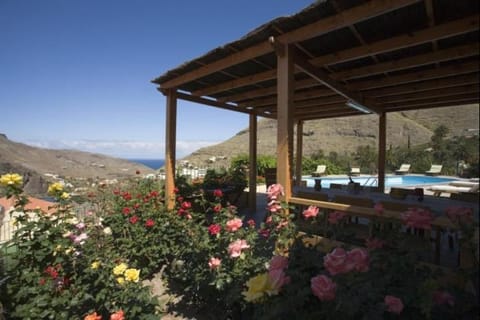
(435, 169)
(439, 189)
(320, 170)
(355, 171)
(404, 169)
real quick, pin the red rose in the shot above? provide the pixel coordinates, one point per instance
(218, 193)
(149, 223)
(214, 229)
(133, 219)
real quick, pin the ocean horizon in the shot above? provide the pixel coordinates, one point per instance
(151, 163)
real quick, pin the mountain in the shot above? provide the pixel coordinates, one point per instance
(344, 135)
(39, 166)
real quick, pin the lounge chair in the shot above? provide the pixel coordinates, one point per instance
(355, 171)
(320, 171)
(404, 169)
(439, 189)
(435, 169)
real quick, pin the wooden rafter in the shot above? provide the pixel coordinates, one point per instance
(339, 88)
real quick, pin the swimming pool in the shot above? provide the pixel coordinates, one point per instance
(390, 181)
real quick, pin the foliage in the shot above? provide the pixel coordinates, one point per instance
(332, 280)
(62, 267)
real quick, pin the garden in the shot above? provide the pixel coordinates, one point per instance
(96, 261)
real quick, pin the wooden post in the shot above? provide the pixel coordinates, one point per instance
(170, 149)
(299, 155)
(252, 184)
(285, 88)
(382, 145)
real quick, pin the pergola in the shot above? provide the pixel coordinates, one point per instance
(335, 58)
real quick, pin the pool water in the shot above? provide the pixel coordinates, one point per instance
(390, 181)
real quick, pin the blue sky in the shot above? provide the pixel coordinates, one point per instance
(76, 74)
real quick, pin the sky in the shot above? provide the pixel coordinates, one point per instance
(75, 74)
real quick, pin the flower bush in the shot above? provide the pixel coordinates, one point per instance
(380, 279)
(90, 262)
(63, 267)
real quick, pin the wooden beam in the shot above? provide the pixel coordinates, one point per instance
(285, 68)
(435, 93)
(456, 103)
(440, 72)
(170, 147)
(426, 85)
(343, 19)
(342, 90)
(410, 62)
(442, 31)
(212, 103)
(299, 153)
(252, 173)
(382, 146)
(422, 102)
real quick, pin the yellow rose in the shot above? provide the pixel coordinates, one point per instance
(54, 187)
(11, 179)
(121, 280)
(65, 195)
(120, 269)
(132, 275)
(95, 265)
(257, 287)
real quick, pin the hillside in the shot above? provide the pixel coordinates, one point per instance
(344, 135)
(37, 165)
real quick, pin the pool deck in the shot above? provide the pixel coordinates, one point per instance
(261, 192)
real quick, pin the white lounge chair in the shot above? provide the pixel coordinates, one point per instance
(404, 169)
(355, 171)
(435, 169)
(320, 170)
(439, 189)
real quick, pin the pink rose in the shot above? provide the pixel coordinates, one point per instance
(323, 288)
(274, 191)
(459, 214)
(336, 216)
(278, 263)
(234, 224)
(379, 208)
(235, 248)
(443, 297)
(310, 212)
(360, 259)
(251, 223)
(374, 243)
(278, 279)
(418, 218)
(217, 193)
(214, 263)
(217, 208)
(336, 262)
(394, 304)
(273, 206)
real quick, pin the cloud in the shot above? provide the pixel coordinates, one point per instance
(123, 148)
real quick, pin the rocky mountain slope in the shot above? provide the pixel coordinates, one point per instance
(344, 135)
(38, 165)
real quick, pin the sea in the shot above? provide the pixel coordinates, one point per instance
(151, 163)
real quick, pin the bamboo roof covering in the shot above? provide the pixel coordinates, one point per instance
(385, 55)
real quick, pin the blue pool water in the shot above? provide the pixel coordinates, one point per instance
(390, 181)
